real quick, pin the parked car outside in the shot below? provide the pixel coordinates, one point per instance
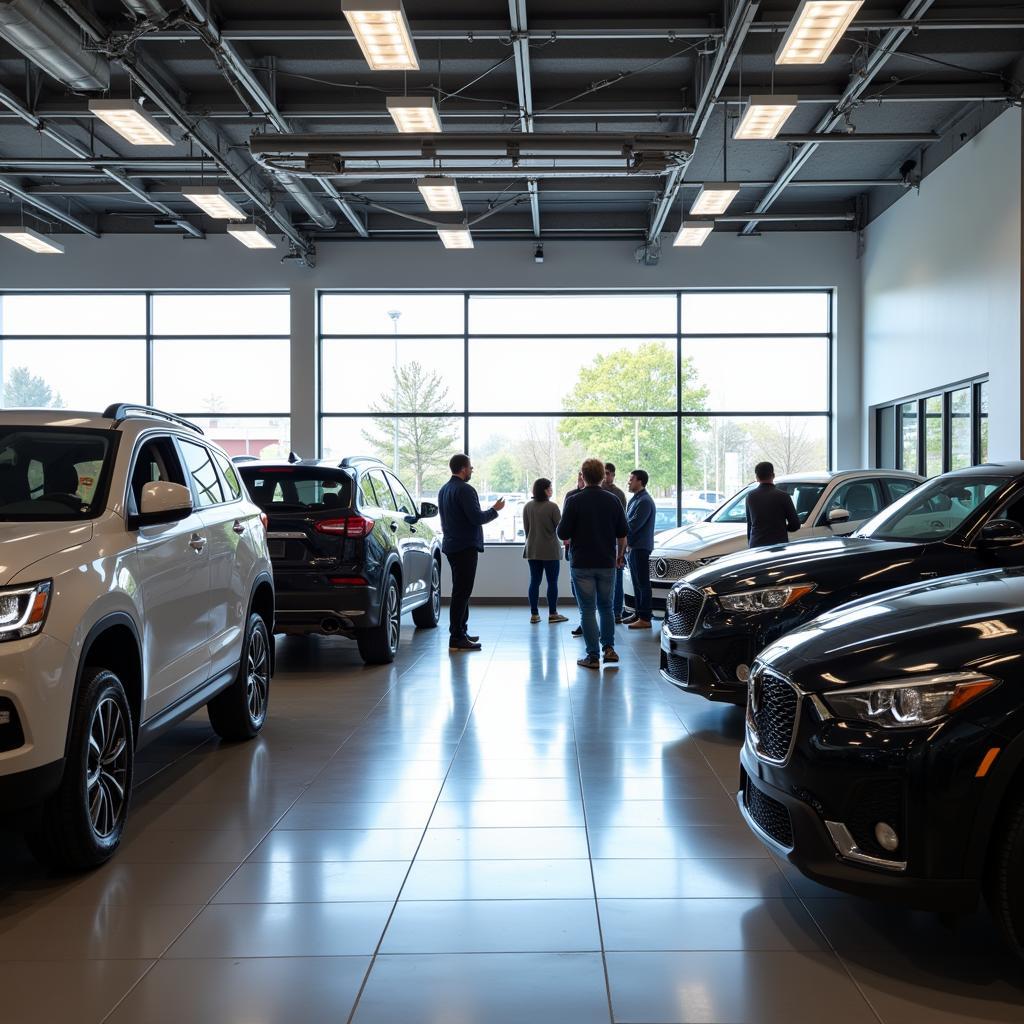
(350, 551)
(694, 511)
(820, 499)
(136, 588)
(885, 745)
(720, 617)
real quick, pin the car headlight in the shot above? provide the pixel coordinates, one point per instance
(23, 609)
(767, 600)
(912, 702)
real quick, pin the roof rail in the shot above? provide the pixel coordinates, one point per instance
(351, 460)
(120, 411)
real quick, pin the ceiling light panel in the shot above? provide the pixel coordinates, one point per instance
(816, 28)
(382, 32)
(415, 114)
(213, 202)
(693, 232)
(251, 236)
(714, 198)
(31, 240)
(455, 238)
(440, 194)
(131, 122)
(765, 116)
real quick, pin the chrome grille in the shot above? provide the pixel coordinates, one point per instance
(683, 611)
(772, 706)
(671, 568)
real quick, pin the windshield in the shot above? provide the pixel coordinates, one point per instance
(805, 496)
(52, 473)
(297, 488)
(934, 510)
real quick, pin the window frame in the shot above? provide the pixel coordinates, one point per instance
(190, 476)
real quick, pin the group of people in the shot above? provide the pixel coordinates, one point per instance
(599, 531)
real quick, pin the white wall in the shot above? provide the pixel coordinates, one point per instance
(774, 260)
(942, 284)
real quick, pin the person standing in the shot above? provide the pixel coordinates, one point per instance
(462, 522)
(543, 550)
(619, 601)
(578, 629)
(771, 514)
(595, 525)
(640, 518)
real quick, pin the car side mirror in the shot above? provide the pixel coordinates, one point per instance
(427, 510)
(1001, 533)
(163, 502)
(837, 516)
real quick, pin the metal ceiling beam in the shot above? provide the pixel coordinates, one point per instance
(18, 190)
(524, 87)
(735, 33)
(858, 85)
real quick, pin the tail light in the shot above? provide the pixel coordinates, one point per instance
(350, 526)
(347, 581)
(265, 520)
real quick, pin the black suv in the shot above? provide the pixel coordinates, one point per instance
(884, 748)
(349, 550)
(719, 617)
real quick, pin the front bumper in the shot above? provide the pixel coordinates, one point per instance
(24, 791)
(707, 668)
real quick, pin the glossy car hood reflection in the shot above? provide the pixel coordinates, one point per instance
(698, 539)
(971, 621)
(24, 544)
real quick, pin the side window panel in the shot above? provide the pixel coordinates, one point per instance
(156, 460)
(861, 498)
(230, 476)
(385, 500)
(202, 473)
(402, 496)
(898, 488)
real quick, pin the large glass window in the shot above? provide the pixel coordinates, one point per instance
(683, 384)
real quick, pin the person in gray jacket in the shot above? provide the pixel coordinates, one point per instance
(543, 549)
(640, 518)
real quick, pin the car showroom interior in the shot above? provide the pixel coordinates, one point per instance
(511, 513)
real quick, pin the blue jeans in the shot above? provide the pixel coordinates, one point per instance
(619, 601)
(640, 572)
(538, 570)
(595, 590)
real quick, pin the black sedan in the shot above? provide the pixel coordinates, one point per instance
(885, 747)
(721, 616)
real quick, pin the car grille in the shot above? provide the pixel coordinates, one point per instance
(768, 814)
(671, 568)
(688, 604)
(771, 715)
(678, 668)
(871, 802)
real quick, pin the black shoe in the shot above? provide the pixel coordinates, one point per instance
(465, 644)
(473, 639)
(618, 620)
(578, 631)
(626, 619)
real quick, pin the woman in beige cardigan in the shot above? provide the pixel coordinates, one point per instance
(543, 549)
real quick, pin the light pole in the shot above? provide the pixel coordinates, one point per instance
(395, 314)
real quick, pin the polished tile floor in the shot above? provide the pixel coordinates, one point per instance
(493, 838)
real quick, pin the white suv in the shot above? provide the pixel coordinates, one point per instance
(827, 503)
(135, 587)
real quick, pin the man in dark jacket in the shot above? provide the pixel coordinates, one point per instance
(771, 514)
(618, 602)
(462, 522)
(640, 518)
(595, 526)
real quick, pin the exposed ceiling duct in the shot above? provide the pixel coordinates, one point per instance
(53, 43)
(146, 9)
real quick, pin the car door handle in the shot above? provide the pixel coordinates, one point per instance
(197, 543)
(238, 526)
(394, 526)
(412, 529)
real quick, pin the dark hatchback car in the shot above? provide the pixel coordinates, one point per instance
(719, 617)
(350, 551)
(884, 750)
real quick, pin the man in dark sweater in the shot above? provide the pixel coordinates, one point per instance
(619, 600)
(771, 514)
(462, 522)
(594, 524)
(641, 514)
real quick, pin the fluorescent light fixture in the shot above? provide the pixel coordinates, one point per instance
(764, 117)
(441, 194)
(416, 114)
(131, 122)
(693, 232)
(382, 32)
(456, 237)
(212, 202)
(714, 197)
(31, 240)
(816, 28)
(251, 236)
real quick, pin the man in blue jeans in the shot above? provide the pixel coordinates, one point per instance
(640, 518)
(594, 524)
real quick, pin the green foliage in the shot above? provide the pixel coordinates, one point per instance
(25, 390)
(502, 472)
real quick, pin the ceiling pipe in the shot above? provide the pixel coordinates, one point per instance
(146, 10)
(17, 189)
(52, 43)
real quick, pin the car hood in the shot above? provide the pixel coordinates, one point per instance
(974, 621)
(700, 540)
(22, 545)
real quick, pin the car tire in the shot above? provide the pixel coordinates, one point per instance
(238, 713)
(81, 824)
(1004, 884)
(428, 615)
(378, 644)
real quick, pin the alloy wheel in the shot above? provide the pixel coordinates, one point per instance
(257, 679)
(435, 590)
(107, 767)
(393, 618)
